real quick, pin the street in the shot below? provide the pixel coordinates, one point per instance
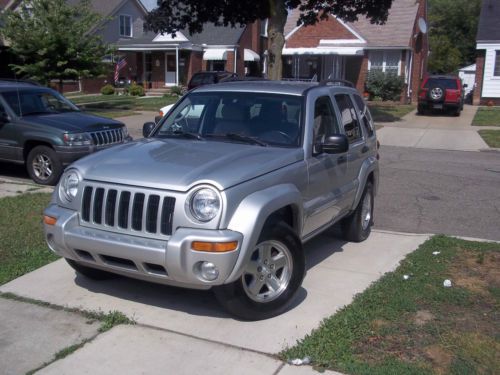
(434, 191)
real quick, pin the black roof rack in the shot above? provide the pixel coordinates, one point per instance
(336, 82)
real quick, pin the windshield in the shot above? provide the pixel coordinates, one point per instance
(244, 117)
(25, 103)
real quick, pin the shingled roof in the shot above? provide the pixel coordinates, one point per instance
(489, 22)
(396, 32)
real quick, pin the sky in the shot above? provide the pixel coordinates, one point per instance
(149, 4)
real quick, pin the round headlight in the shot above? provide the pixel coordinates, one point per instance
(204, 204)
(68, 188)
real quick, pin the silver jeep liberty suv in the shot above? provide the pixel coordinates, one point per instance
(223, 192)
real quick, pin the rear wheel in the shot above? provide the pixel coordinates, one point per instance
(43, 165)
(270, 279)
(89, 272)
(357, 226)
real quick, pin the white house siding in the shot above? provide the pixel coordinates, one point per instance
(491, 83)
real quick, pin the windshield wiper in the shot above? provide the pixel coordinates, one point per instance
(184, 134)
(241, 138)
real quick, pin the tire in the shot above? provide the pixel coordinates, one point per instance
(456, 112)
(277, 256)
(357, 226)
(44, 166)
(421, 110)
(436, 94)
(91, 273)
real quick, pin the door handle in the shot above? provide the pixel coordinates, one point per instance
(365, 149)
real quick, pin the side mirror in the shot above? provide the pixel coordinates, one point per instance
(147, 128)
(4, 118)
(465, 85)
(335, 144)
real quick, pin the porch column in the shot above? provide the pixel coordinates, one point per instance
(177, 65)
(235, 56)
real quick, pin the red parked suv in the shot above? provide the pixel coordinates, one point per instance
(443, 93)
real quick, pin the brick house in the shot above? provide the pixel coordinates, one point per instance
(349, 50)
(160, 61)
(487, 87)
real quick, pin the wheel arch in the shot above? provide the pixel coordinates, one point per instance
(265, 207)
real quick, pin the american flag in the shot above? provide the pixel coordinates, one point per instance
(119, 66)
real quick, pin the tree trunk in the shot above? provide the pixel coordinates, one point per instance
(276, 41)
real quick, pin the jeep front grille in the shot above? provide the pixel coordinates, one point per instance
(107, 137)
(147, 212)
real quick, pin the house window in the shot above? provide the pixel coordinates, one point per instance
(125, 25)
(216, 65)
(263, 27)
(385, 61)
(496, 71)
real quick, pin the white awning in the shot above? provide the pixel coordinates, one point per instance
(345, 51)
(251, 55)
(215, 54)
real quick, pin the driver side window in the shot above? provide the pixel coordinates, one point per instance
(325, 121)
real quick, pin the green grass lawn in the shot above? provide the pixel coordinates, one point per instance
(22, 246)
(389, 112)
(417, 326)
(487, 116)
(118, 106)
(491, 137)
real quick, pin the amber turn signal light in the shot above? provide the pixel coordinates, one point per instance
(214, 247)
(49, 220)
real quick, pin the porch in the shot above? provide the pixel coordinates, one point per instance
(316, 64)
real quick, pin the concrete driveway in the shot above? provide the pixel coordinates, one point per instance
(438, 131)
(187, 321)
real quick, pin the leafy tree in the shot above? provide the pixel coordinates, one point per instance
(175, 15)
(53, 40)
(452, 34)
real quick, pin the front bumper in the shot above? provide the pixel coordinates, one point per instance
(171, 261)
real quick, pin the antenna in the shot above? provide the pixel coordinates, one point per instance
(422, 25)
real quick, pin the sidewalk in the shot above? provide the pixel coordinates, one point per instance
(182, 331)
(11, 187)
(438, 131)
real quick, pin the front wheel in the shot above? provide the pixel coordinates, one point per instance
(270, 279)
(357, 226)
(44, 166)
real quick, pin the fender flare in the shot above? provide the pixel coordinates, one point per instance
(252, 213)
(369, 165)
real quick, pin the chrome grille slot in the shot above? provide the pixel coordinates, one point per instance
(107, 137)
(132, 210)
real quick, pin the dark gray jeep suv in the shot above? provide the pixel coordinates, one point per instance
(45, 131)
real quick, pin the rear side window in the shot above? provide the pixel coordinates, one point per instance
(364, 115)
(349, 119)
(444, 83)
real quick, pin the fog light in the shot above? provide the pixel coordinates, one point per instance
(209, 271)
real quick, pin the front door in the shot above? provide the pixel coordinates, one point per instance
(170, 69)
(9, 145)
(327, 172)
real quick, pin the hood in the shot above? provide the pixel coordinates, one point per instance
(73, 122)
(175, 164)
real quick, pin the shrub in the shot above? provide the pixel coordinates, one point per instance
(384, 86)
(136, 90)
(176, 90)
(107, 89)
